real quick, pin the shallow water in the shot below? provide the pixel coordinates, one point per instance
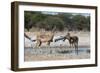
(49, 50)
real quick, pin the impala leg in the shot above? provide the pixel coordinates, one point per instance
(48, 43)
(38, 43)
(73, 45)
(70, 45)
(76, 48)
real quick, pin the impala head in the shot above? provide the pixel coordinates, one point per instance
(68, 35)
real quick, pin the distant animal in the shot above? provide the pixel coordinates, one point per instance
(73, 41)
(44, 37)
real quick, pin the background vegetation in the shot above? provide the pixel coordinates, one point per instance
(57, 21)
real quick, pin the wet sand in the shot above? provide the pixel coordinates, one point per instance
(51, 53)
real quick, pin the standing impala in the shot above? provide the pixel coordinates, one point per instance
(73, 41)
(43, 37)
